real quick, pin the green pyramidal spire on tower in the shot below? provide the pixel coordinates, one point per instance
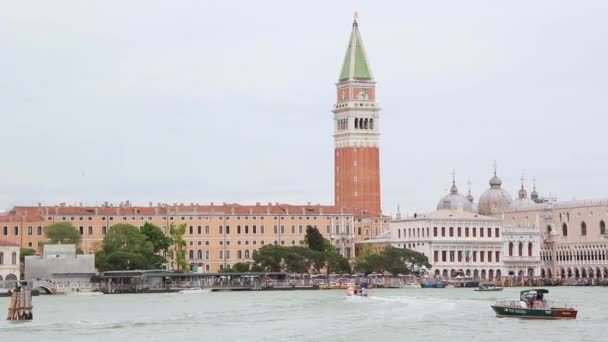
(355, 66)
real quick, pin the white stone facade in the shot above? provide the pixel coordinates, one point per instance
(574, 236)
(455, 241)
(522, 250)
(9, 261)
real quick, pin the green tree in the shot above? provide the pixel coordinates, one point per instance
(298, 259)
(314, 240)
(240, 267)
(226, 270)
(160, 242)
(179, 247)
(23, 252)
(154, 234)
(270, 258)
(334, 261)
(370, 264)
(63, 232)
(125, 248)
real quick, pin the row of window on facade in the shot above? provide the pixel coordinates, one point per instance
(191, 218)
(466, 256)
(520, 249)
(360, 123)
(420, 232)
(576, 255)
(566, 216)
(13, 258)
(583, 228)
(223, 255)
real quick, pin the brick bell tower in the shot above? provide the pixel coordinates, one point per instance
(356, 132)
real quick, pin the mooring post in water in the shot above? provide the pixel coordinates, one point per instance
(20, 306)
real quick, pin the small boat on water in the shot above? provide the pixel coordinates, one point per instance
(488, 288)
(194, 290)
(356, 291)
(532, 304)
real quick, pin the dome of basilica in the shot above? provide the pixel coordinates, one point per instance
(522, 201)
(495, 200)
(454, 201)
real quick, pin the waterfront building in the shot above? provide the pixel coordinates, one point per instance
(9, 260)
(456, 242)
(60, 262)
(574, 240)
(218, 236)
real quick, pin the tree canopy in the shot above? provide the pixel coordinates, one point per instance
(179, 247)
(392, 260)
(300, 259)
(63, 232)
(126, 248)
(314, 239)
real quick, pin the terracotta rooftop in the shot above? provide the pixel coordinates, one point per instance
(8, 243)
(165, 209)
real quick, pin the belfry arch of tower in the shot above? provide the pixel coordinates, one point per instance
(357, 157)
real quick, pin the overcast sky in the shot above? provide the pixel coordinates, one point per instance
(230, 101)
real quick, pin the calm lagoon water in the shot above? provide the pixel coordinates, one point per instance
(387, 315)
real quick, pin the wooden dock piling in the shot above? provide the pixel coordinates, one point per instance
(20, 307)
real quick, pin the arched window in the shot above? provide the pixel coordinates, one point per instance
(371, 123)
(602, 227)
(529, 248)
(564, 230)
(1, 258)
(549, 229)
(365, 124)
(583, 228)
(14, 258)
(239, 254)
(246, 254)
(521, 249)
(398, 233)
(191, 254)
(199, 254)
(356, 123)
(510, 248)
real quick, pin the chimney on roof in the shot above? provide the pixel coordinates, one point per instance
(257, 204)
(192, 204)
(269, 204)
(150, 204)
(111, 205)
(308, 203)
(39, 204)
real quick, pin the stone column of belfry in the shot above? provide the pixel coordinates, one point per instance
(356, 132)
